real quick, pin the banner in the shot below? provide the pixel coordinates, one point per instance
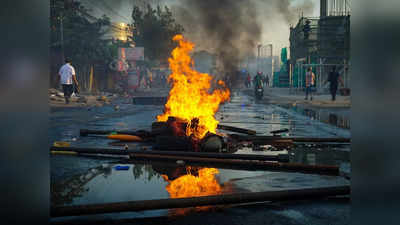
(131, 54)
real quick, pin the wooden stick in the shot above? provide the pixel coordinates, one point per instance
(109, 151)
(236, 129)
(86, 132)
(237, 198)
(279, 131)
(232, 162)
(269, 139)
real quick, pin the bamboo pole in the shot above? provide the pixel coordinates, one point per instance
(75, 150)
(86, 132)
(235, 163)
(236, 129)
(246, 164)
(268, 139)
(279, 131)
(225, 199)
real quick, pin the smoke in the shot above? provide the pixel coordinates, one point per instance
(291, 11)
(278, 15)
(226, 28)
(232, 29)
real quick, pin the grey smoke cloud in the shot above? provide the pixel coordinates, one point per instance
(231, 27)
(225, 27)
(252, 21)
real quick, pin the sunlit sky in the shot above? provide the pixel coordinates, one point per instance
(316, 7)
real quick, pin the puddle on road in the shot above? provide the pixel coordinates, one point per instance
(264, 118)
(105, 184)
(336, 117)
(81, 180)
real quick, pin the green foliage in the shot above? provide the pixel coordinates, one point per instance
(154, 29)
(83, 33)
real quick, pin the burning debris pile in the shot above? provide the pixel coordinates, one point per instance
(188, 120)
(173, 135)
(189, 112)
(190, 100)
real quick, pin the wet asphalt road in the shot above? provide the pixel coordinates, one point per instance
(83, 180)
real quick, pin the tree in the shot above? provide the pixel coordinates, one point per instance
(83, 36)
(82, 33)
(153, 29)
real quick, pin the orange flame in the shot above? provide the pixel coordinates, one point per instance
(193, 186)
(190, 96)
(190, 185)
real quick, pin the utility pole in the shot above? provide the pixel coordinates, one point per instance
(62, 37)
(272, 64)
(258, 57)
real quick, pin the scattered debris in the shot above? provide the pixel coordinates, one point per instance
(61, 144)
(105, 165)
(121, 167)
(82, 99)
(180, 162)
(276, 132)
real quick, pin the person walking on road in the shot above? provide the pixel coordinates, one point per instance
(67, 79)
(248, 80)
(333, 79)
(149, 80)
(266, 80)
(310, 81)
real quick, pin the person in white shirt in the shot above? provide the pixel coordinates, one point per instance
(67, 78)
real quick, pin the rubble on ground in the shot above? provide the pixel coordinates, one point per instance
(56, 98)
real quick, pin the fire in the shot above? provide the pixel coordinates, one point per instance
(190, 98)
(190, 185)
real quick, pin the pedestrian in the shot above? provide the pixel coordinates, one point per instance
(333, 79)
(67, 79)
(248, 80)
(149, 77)
(143, 77)
(163, 79)
(310, 81)
(266, 80)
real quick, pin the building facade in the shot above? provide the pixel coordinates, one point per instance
(321, 43)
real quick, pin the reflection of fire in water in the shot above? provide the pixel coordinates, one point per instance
(190, 98)
(190, 185)
(193, 103)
